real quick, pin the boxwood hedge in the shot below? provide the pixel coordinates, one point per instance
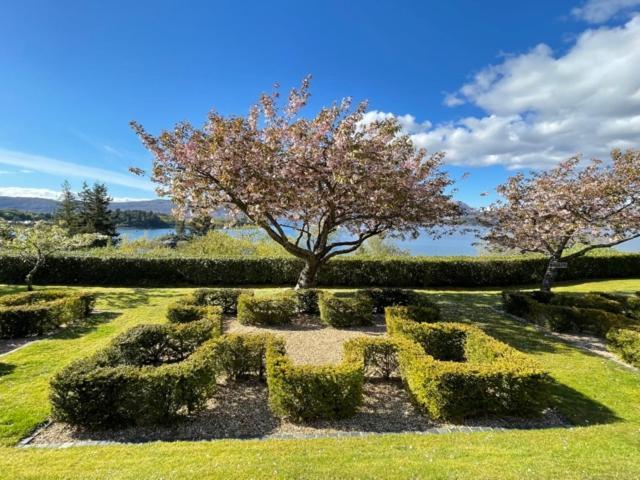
(354, 272)
(35, 313)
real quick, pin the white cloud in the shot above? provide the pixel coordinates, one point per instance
(50, 194)
(61, 168)
(541, 108)
(599, 11)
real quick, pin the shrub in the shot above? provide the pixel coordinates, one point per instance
(560, 314)
(239, 356)
(417, 272)
(184, 312)
(345, 309)
(419, 314)
(310, 392)
(225, 298)
(389, 297)
(277, 309)
(39, 312)
(308, 300)
(150, 374)
(626, 343)
(379, 355)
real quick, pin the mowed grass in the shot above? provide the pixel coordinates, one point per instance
(600, 397)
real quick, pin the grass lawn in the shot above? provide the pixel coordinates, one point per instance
(598, 396)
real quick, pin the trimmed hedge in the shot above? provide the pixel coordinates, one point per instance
(311, 392)
(39, 312)
(378, 354)
(626, 343)
(562, 312)
(184, 312)
(148, 375)
(340, 309)
(238, 356)
(276, 309)
(390, 297)
(455, 371)
(419, 272)
(225, 298)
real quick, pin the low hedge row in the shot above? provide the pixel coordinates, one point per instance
(626, 343)
(148, 375)
(275, 309)
(593, 313)
(345, 309)
(352, 272)
(455, 371)
(39, 312)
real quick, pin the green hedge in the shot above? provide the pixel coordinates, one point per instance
(353, 272)
(182, 311)
(273, 309)
(350, 309)
(238, 356)
(626, 343)
(39, 312)
(310, 392)
(455, 371)
(589, 313)
(148, 375)
(225, 298)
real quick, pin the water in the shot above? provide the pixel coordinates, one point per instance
(457, 244)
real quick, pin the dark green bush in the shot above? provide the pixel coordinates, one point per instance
(626, 343)
(415, 313)
(308, 300)
(275, 309)
(379, 355)
(225, 298)
(39, 312)
(418, 272)
(239, 356)
(184, 312)
(389, 297)
(340, 309)
(148, 375)
(310, 392)
(559, 312)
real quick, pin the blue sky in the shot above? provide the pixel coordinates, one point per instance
(498, 85)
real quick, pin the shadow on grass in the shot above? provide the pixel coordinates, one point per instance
(86, 326)
(578, 409)
(6, 368)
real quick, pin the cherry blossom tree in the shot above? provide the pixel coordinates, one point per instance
(304, 179)
(38, 242)
(568, 209)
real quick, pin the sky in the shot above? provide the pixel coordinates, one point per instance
(498, 85)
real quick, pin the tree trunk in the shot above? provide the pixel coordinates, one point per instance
(549, 276)
(309, 275)
(29, 277)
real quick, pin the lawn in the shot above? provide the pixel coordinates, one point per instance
(600, 397)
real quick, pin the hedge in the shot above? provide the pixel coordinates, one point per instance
(313, 392)
(148, 375)
(39, 312)
(182, 311)
(238, 356)
(340, 309)
(588, 313)
(274, 309)
(626, 343)
(418, 272)
(224, 298)
(455, 371)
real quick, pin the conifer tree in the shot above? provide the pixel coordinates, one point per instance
(95, 216)
(67, 213)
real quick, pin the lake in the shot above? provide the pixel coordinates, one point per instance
(456, 244)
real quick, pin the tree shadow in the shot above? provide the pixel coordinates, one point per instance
(578, 409)
(125, 299)
(88, 325)
(6, 368)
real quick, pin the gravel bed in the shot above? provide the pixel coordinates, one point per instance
(309, 341)
(241, 411)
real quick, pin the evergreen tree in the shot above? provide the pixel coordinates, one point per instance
(67, 213)
(95, 216)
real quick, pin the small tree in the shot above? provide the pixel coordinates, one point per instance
(67, 213)
(37, 243)
(301, 179)
(568, 208)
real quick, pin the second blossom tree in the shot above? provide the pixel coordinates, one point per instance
(302, 180)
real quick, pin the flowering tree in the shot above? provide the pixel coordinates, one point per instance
(569, 208)
(38, 242)
(302, 179)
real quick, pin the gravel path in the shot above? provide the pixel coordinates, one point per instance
(240, 410)
(309, 341)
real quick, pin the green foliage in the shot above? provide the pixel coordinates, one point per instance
(388, 297)
(105, 267)
(379, 246)
(626, 343)
(564, 313)
(276, 309)
(182, 311)
(415, 313)
(307, 299)
(148, 375)
(379, 355)
(94, 215)
(345, 309)
(141, 219)
(310, 392)
(239, 356)
(36, 313)
(225, 298)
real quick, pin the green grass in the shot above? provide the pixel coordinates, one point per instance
(599, 396)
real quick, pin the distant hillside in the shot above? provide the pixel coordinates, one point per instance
(45, 205)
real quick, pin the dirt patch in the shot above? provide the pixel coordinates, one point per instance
(309, 341)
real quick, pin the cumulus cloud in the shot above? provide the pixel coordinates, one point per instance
(541, 108)
(599, 11)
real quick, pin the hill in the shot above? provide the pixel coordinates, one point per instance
(45, 205)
